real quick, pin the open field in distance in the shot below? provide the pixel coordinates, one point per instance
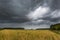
(8, 34)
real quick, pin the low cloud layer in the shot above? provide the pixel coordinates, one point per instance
(29, 13)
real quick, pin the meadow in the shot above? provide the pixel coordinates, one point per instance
(8, 34)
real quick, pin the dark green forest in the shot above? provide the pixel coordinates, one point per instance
(55, 27)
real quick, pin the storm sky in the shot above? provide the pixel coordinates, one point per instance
(29, 13)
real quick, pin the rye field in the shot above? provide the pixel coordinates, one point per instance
(28, 35)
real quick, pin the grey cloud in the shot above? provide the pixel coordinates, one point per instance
(9, 9)
(49, 18)
(15, 11)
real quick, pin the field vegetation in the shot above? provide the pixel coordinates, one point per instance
(39, 34)
(8, 34)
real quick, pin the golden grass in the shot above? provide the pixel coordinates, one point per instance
(28, 35)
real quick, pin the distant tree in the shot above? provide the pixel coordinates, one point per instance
(55, 27)
(14, 28)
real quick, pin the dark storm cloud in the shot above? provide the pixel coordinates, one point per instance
(15, 11)
(55, 4)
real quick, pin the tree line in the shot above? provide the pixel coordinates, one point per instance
(55, 27)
